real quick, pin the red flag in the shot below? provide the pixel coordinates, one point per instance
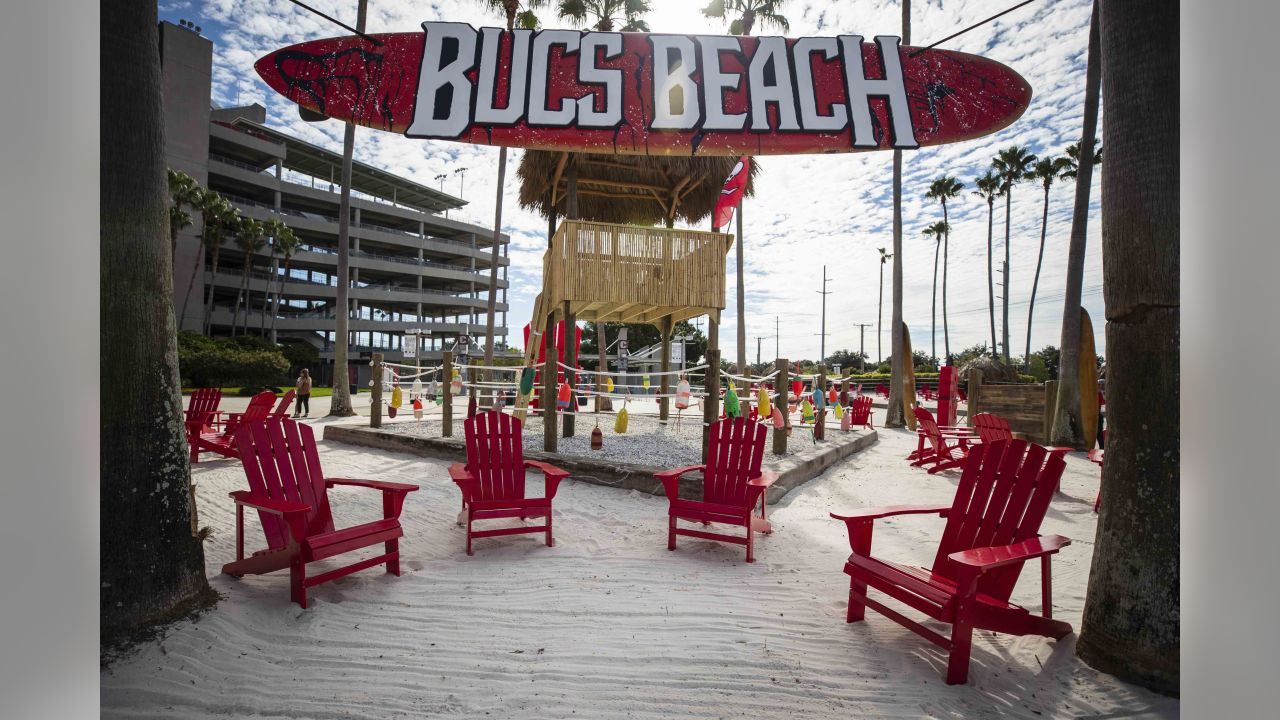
(731, 193)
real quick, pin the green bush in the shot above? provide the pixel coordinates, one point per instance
(222, 362)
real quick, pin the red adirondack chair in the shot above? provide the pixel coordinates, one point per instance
(992, 528)
(1096, 455)
(223, 442)
(861, 409)
(732, 484)
(281, 411)
(938, 453)
(964, 395)
(203, 406)
(991, 428)
(291, 494)
(492, 480)
(882, 390)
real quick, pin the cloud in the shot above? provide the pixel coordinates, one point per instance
(810, 211)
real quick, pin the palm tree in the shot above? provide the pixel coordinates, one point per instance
(1046, 170)
(250, 240)
(884, 258)
(1012, 165)
(1131, 621)
(989, 189)
(219, 216)
(748, 13)
(606, 14)
(152, 562)
(943, 189)
(1071, 163)
(182, 191)
(529, 20)
(288, 244)
(934, 232)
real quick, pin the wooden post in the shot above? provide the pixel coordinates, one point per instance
(1050, 397)
(571, 360)
(975, 389)
(711, 405)
(547, 399)
(602, 364)
(375, 401)
(844, 386)
(446, 377)
(820, 419)
(664, 385)
(780, 383)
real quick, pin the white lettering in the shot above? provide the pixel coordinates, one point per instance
(518, 79)
(539, 113)
(444, 93)
(861, 90)
(802, 58)
(589, 74)
(675, 94)
(780, 91)
(715, 81)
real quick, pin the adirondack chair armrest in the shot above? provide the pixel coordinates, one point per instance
(551, 474)
(466, 482)
(764, 480)
(860, 523)
(982, 560)
(671, 479)
(292, 512)
(393, 493)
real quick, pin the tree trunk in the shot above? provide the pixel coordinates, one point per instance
(933, 318)
(894, 415)
(742, 304)
(242, 294)
(946, 241)
(279, 292)
(991, 278)
(213, 275)
(1035, 284)
(1131, 615)
(492, 305)
(266, 293)
(1067, 430)
(1004, 298)
(880, 317)
(195, 269)
(152, 565)
(340, 402)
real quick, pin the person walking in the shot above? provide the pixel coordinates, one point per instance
(303, 387)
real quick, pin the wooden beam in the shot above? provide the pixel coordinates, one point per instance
(618, 183)
(555, 178)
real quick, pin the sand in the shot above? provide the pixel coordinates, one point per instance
(609, 624)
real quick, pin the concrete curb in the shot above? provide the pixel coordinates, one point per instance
(794, 469)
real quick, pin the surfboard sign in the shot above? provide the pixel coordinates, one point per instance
(650, 93)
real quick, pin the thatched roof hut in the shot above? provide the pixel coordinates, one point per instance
(991, 370)
(630, 189)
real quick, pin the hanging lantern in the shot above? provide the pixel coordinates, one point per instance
(608, 384)
(597, 439)
(682, 394)
(762, 401)
(456, 383)
(563, 397)
(778, 421)
(806, 411)
(732, 408)
(620, 424)
(526, 381)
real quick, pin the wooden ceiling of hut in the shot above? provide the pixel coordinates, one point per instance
(629, 189)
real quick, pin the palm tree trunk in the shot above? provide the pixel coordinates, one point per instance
(1004, 298)
(492, 305)
(1067, 431)
(741, 300)
(279, 292)
(195, 269)
(340, 401)
(244, 286)
(152, 564)
(880, 317)
(266, 293)
(946, 240)
(213, 275)
(991, 281)
(1131, 623)
(895, 415)
(1031, 308)
(933, 329)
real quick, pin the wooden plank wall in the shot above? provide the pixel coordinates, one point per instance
(1024, 405)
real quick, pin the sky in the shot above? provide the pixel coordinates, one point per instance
(809, 211)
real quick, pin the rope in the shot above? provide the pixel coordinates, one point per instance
(750, 378)
(506, 368)
(603, 372)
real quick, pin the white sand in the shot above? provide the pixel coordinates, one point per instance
(609, 624)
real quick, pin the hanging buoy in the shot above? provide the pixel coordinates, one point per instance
(762, 401)
(832, 395)
(620, 424)
(415, 390)
(837, 410)
(526, 381)
(645, 382)
(456, 383)
(597, 438)
(682, 394)
(846, 421)
(797, 387)
(397, 398)
(778, 420)
(563, 397)
(806, 411)
(819, 402)
(732, 408)
(433, 389)
(391, 411)
(417, 409)
(608, 384)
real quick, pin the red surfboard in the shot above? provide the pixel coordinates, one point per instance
(641, 93)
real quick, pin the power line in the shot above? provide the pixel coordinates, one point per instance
(971, 27)
(337, 22)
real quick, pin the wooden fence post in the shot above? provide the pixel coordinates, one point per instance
(547, 399)
(844, 386)
(975, 389)
(375, 397)
(571, 361)
(820, 419)
(711, 404)
(664, 385)
(1050, 397)
(446, 382)
(780, 384)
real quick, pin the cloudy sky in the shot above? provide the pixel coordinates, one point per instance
(809, 211)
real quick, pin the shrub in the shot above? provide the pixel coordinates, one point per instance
(219, 362)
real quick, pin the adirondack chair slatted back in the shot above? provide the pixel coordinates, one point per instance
(992, 428)
(280, 459)
(203, 402)
(282, 408)
(495, 455)
(861, 409)
(734, 454)
(930, 428)
(1002, 498)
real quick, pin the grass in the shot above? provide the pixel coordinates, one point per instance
(232, 392)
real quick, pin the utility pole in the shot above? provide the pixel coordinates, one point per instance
(822, 352)
(758, 339)
(1004, 331)
(862, 335)
(777, 335)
